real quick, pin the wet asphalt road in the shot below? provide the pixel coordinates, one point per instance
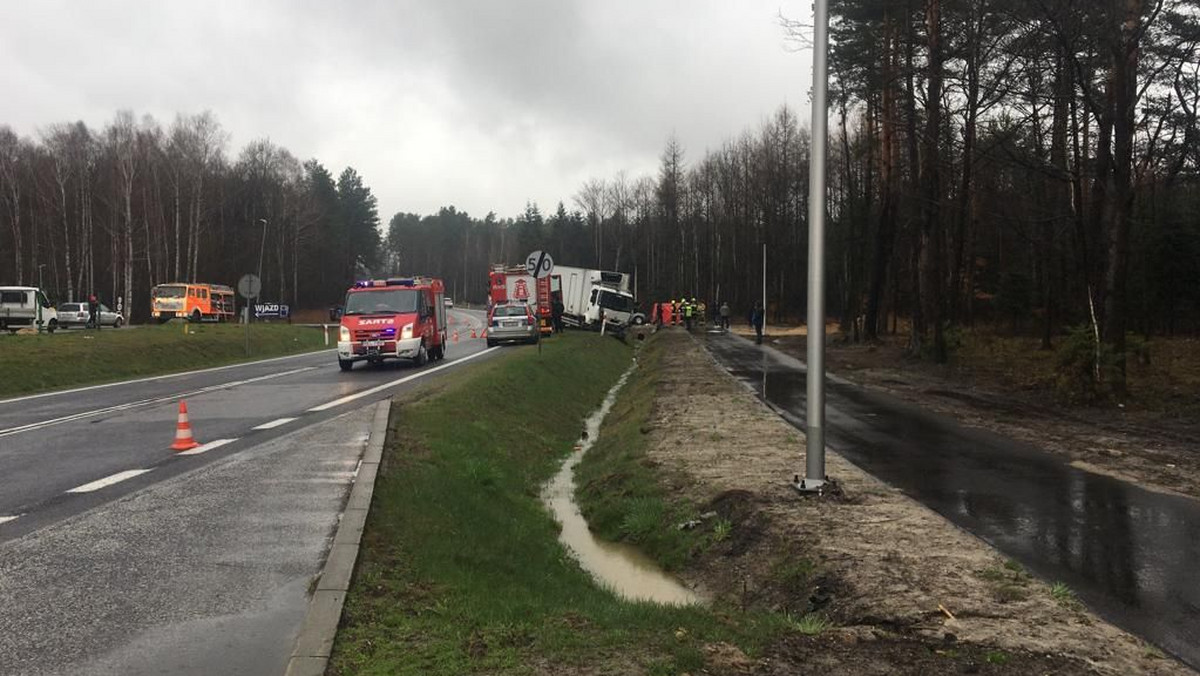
(1128, 553)
(193, 564)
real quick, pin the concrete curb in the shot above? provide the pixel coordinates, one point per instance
(315, 641)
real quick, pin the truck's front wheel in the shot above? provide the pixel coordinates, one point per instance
(345, 364)
(422, 356)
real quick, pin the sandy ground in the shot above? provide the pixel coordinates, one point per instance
(907, 591)
(1137, 446)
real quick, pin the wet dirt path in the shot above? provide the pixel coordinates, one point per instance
(1128, 553)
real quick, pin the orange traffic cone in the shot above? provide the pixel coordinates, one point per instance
(456, 336)
(473, 332)
(183, 431)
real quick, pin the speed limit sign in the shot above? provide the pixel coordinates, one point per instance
(539, 264)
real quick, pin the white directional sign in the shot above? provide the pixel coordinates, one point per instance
(539, 264)
(249, 286)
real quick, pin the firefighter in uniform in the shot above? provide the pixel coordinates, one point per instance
(689, 307)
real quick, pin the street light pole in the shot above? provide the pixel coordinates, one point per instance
(261, 249)
(814, 470)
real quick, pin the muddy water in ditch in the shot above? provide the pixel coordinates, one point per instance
(617, 566)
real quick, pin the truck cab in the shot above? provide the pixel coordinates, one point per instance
(397, 318)
(26, 306)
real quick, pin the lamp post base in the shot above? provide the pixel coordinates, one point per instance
(810, 486)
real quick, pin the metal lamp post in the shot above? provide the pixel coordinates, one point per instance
(814, 474)
(261, 249)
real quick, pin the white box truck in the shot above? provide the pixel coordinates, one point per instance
(26, 306)
(588, 294)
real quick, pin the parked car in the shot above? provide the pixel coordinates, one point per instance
(511, 321)
(76, 314)
(449, 304)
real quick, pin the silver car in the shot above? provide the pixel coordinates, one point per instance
(76, 314)
(511, 321)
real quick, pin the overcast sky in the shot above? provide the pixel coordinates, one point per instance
(482, 104)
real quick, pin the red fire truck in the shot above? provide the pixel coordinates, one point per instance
(393, 319)
(516, 285)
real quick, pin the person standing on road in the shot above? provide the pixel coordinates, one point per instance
(725, 315)
(756, 319)
(93, 312)
(556, 313)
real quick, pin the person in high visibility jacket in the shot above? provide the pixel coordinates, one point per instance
(689, 308)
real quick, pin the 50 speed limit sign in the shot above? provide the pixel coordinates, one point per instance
(539, 264)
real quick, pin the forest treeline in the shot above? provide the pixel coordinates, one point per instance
(1029, 163)
(119, 209)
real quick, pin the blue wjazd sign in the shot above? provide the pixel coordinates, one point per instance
(270, 311)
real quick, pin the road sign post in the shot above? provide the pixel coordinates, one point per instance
(540, 265)
(248, 287)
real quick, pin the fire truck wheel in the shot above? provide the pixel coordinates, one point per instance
(422, 356)
(491, 343)
(437, 353)
(345, 364)
(195, 318)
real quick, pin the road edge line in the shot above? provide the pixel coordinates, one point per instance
(314, 643)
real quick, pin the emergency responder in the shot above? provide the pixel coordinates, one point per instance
(725, 315)
(689, 307)
(556, 313)
(674, 313)
(702, 313)
(93, 321)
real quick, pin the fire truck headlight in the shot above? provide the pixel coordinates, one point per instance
(406, 332)
(344, 334)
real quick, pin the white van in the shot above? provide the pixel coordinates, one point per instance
(22, 306)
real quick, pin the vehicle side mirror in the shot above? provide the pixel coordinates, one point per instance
(335, 313)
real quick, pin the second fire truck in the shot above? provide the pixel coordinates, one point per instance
(398, 318)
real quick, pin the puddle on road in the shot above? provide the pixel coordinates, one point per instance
(617, 566)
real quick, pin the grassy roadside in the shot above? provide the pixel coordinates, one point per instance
(37, 363)
(619, 493)
(461, 571)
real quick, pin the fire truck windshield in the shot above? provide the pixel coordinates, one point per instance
(384, 301)
(168, 291)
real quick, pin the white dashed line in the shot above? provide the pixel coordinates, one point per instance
(149, 402)
(6, 519)
(108, 481)
(216, 443)
(273, 423)
(401, 381)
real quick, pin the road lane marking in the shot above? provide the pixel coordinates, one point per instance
(108, 481)
(148, 402)
(6, 519)
(204, 448)
(162, 377)
(401, 381)
(273, 423)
